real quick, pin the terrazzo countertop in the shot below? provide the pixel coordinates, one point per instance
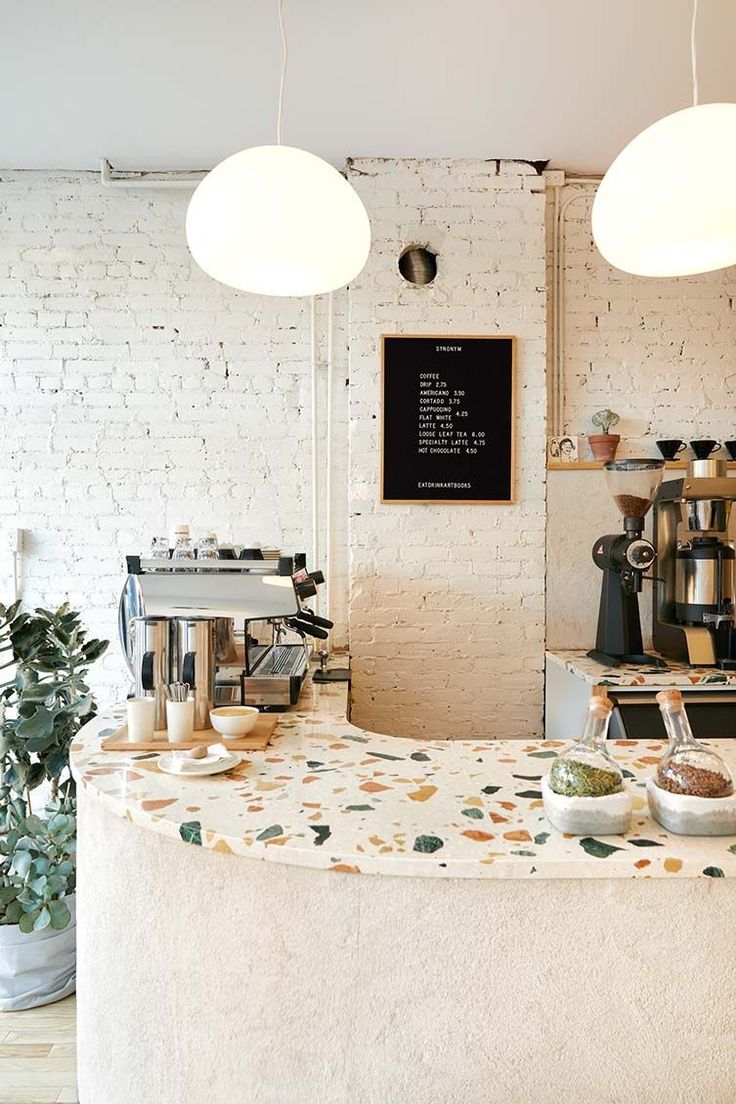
(629, 674)
(329, 795)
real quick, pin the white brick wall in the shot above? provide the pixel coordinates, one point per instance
(660, 352)
(446, 605)
(137, 392)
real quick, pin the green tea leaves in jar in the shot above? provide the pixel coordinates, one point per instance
(586, 769)
(572, 777)
(584, 793)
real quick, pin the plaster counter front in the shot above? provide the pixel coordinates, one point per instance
(364, 919)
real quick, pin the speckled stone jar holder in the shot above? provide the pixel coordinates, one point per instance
(588, 816)
(692, 816)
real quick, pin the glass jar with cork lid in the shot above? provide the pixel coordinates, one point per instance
(692, 790)
(585, 793)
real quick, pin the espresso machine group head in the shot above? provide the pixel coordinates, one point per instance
(693, 617)
(624, 558)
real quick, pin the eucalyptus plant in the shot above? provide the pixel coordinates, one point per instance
(43, 702)
(37, 871)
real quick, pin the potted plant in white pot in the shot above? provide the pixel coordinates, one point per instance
(603, 445)
(42, 706)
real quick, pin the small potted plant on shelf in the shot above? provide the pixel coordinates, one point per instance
(43, 704)
(603, 445)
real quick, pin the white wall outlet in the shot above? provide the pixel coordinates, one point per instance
(11, 540)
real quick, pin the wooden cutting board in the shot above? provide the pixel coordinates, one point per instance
(257, 739)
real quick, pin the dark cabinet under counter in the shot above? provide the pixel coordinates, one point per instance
(636, 716)
(709, 693)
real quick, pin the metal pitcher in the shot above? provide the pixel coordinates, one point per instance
(193, 660)
(150, 661)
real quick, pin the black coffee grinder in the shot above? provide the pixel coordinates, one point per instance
(624, 558)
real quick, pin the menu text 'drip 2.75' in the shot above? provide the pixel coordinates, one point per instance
(448, 419)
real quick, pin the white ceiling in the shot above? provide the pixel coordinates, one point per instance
(182, 83)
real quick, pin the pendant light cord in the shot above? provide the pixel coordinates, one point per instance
(284, 62)
(694, 53)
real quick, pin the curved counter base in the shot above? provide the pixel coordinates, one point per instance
(206, 980)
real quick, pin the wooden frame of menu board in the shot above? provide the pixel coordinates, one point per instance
(432, 383)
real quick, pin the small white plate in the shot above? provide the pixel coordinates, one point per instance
(211, 764)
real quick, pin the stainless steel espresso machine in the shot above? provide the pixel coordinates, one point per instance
(694, 615)
(234, 630)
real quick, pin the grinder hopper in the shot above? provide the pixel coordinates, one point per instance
(633, 485)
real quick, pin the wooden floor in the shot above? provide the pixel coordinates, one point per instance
(38, 1055)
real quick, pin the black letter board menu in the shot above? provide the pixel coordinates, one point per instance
(448, 419)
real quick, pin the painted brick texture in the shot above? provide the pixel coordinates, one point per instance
(137, 392)
(660, 352)
(447, 602)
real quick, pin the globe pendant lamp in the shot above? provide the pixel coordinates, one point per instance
(276, 220)
(666, 206)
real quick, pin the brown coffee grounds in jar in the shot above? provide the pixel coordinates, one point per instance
(631, 505)
(693, 781)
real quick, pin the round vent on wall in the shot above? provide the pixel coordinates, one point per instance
(418, 265)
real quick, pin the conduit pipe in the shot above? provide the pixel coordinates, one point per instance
(555, 395)
(314, 389)
(558, 291)
(186, 178)
(329, 535)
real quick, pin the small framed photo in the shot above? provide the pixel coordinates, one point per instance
(563, 450)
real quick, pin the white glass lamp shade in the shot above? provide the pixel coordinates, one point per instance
(667, 205)
(276, 220)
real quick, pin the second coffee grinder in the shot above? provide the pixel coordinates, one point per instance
(624, 558)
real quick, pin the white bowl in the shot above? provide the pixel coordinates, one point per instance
(233, 721)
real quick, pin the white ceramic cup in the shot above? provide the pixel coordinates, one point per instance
(180, 721)
(141, 713)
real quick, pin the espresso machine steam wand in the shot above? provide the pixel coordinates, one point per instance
(624, 558)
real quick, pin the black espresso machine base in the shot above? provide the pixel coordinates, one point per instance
(640, 660)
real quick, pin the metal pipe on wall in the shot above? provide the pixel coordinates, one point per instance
(555, 395)
(314, 391)
(186, 178)
(329, 535)
(558, 293)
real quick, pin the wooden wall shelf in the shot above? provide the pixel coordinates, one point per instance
(596, 465)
